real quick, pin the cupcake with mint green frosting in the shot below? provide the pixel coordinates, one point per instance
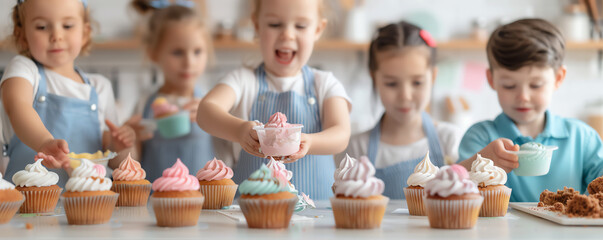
(534, 159)
(266, 200)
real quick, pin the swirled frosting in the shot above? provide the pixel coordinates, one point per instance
(35, 175)
(5, 185)
(344, 166)
(532, 146)
(129, 170)
(450, 180)
(483, 172)
(360, 182)
(176, 179)
(261, 182)
(86, 177)
(424, 171)
(214, 170)
(279, 167)
(277, 120)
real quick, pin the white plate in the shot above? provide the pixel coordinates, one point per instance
(531, 208)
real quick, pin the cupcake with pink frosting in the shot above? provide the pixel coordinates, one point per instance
(279, 138)
(176, 199)
(215, 183)
(129, 181)
(358, 201)
(452, 200)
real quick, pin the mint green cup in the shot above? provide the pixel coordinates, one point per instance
(174, 126)
(534, 162)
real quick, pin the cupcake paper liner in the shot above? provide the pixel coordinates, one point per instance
(414, 199)
(90, 209)
(358, 213)
(131, 195)
(8, 210)
(218, 196)
(496, 202)
(40, 201)
(452, 214)
(267, 213)
(177, 212)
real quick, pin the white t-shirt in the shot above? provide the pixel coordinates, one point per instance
(246, 86)
(24, 67)
(387, 155)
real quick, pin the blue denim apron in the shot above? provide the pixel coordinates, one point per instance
(395, 176)
(313, 174)
(74, 120)
(194, 149)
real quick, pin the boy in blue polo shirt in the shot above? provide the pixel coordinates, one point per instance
(525, 59)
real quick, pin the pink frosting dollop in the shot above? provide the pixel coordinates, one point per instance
(360, 181)
(162, 107)
(214, 170)
(176, 179)
(100, 170)
(451, 180)
(278, 120)
(279, 168)
(129, 170)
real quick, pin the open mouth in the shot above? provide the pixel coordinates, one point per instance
(285, 56)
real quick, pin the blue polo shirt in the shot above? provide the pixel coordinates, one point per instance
(577, 162)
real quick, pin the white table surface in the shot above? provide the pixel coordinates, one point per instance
(139, 223)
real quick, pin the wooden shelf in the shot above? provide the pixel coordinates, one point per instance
(333, 45)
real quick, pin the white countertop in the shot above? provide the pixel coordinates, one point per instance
(139, 223)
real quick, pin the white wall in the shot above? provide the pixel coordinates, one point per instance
(445, 19)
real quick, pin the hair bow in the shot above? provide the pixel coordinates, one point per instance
(426, 36)
(166, 3)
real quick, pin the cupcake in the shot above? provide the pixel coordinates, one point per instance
(88, 198)
(176, 200)
(129, 182)
(39, 186)
(490, 181)
(358, 203)
(346, 163)
(452, 201)
(265, 200)
(216, 185)
(424, 171)
(10, 200)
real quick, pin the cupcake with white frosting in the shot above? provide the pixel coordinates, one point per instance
(491, 181)
(346, 163)
(88, 198)
(424, 171)
(10, 200)
(358, 201)
(451, 199)
(39, 186)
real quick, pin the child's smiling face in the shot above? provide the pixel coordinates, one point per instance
(525, 94)
(55, 37)
(287, 30)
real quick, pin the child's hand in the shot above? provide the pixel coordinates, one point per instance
(141, 134)
(54, 152)
(192, 108)
(501, 158)
(248, 138)
(121, 137)
(304, 147)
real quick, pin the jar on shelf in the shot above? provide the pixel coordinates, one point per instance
(575, 23)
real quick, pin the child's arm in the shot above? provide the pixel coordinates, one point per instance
(593, 161)
(496, 151)
(335, 134)
(17, 97)
(121, 140)
(213, 118)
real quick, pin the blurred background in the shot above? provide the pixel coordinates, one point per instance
(461, 27)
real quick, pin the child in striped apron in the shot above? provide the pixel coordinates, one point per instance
(283, 83)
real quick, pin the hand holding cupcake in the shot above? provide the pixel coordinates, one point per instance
(490, 180)
(215, 182)
(358, 202)
(39, 186)
(129, 181)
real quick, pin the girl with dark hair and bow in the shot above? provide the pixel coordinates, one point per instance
(402, 66)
